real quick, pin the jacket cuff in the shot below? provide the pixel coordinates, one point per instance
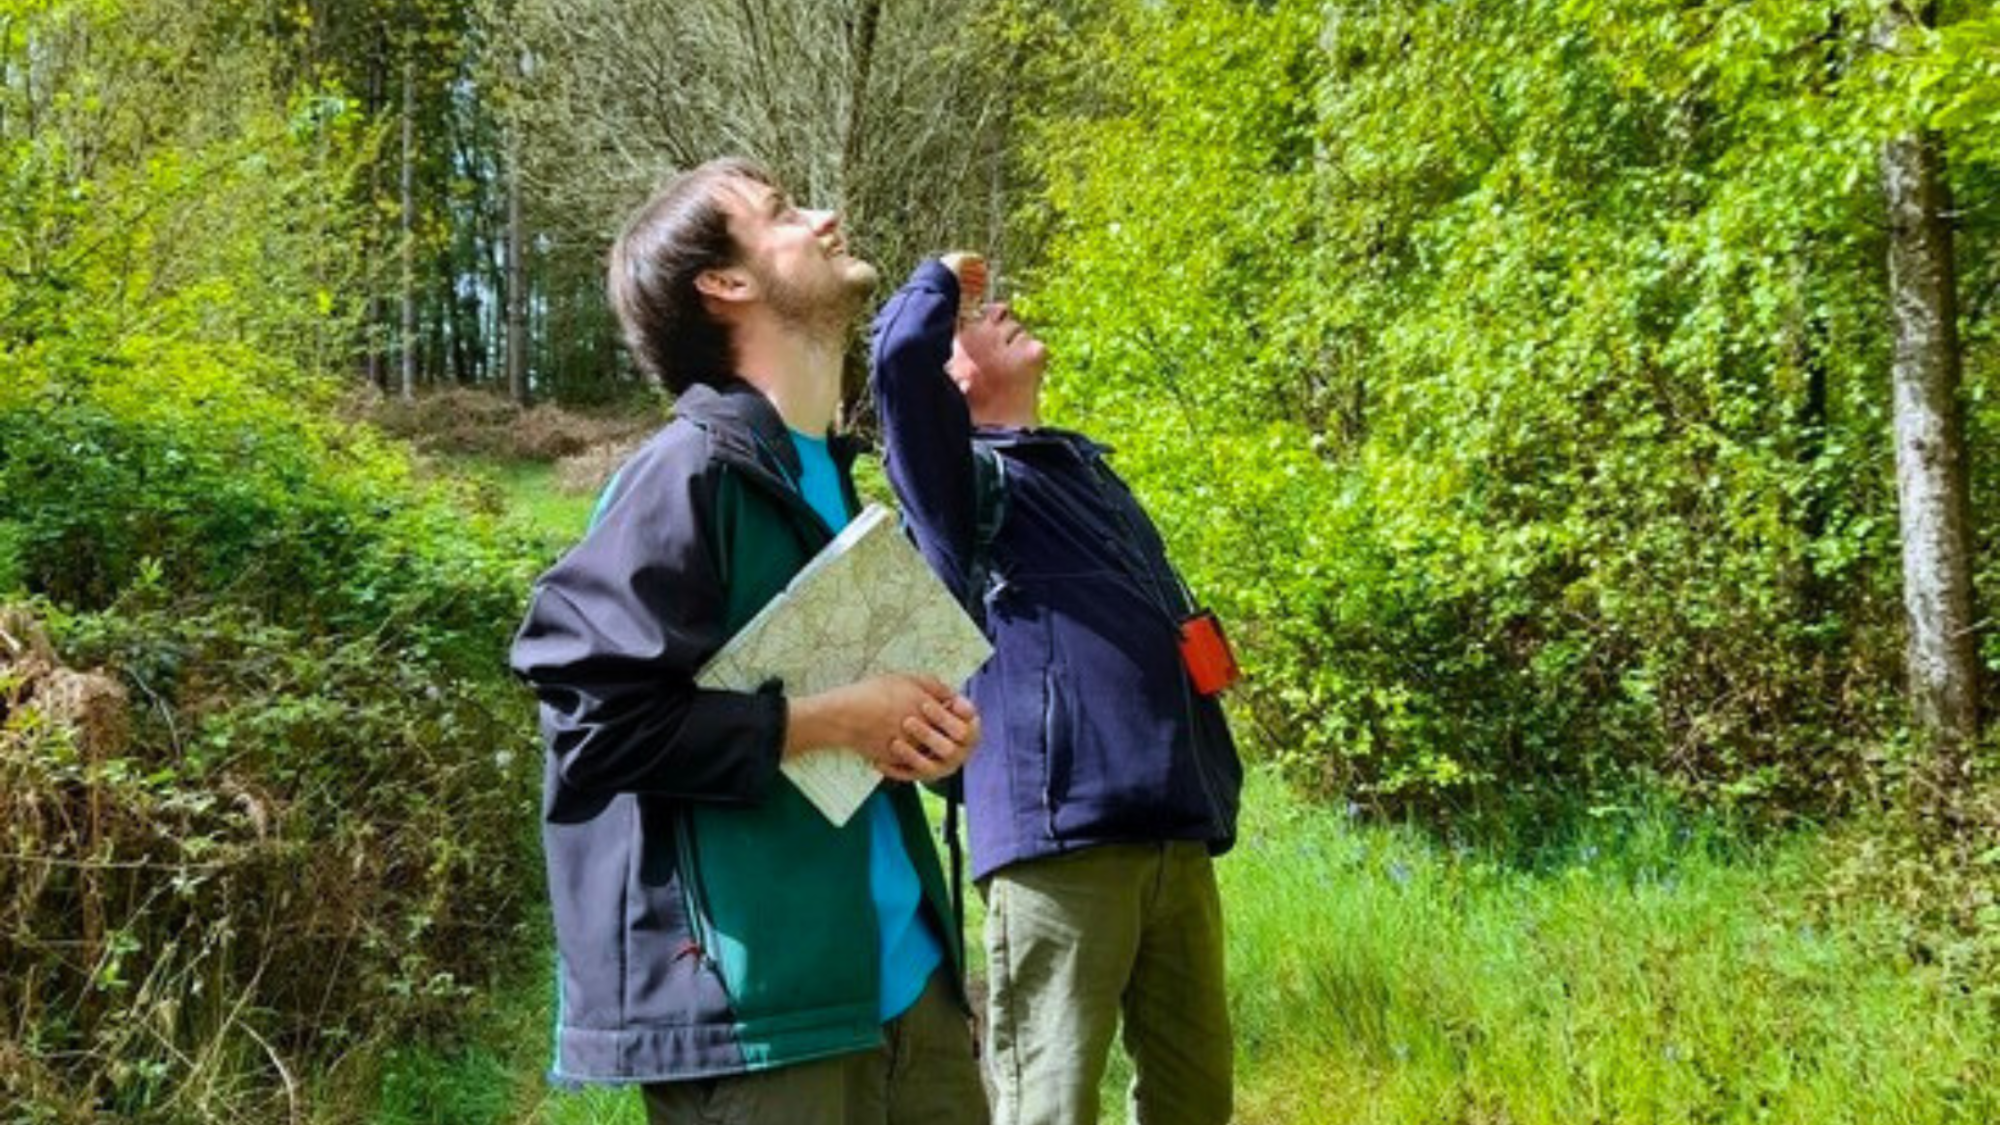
(931, 274)
(771, 696)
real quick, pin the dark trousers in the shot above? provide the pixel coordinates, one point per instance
(925, 1073)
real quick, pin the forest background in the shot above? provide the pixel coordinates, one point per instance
(1583, 412)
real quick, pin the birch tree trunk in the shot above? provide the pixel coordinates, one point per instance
(1931, 470)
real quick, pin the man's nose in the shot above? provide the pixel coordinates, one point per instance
(823, 222)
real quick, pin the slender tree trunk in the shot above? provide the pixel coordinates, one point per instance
(409, 383)
(997, 258)
(441, 332)
(556, 334)
(1931, 457)
(373, 322)
(851, 154)
(517, 282)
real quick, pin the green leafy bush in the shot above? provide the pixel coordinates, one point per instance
(317, 830)
(268, 515)
(1513, 376)
(268, 795)
(297, 843)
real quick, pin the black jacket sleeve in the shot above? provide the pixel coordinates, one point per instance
(616, 630)
(926, 426)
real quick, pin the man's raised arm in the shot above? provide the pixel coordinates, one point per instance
(926, 426)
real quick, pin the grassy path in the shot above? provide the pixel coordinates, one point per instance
(1641, 973)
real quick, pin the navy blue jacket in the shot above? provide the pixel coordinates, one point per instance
(1093, 733)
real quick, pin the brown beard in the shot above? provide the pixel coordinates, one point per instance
(827, 309)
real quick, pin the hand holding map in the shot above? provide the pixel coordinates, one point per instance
(911, 728)
(867, 605)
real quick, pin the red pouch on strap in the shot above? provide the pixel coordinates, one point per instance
(1205, 651)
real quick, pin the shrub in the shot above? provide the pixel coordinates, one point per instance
(288, 843)
(480, 424)
(1512, 377)
(589, 471)
(265, 796)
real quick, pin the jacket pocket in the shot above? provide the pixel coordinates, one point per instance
(693, 899)
(665, 963)
(1058, 747)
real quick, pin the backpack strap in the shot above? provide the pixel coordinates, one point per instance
(989, 504)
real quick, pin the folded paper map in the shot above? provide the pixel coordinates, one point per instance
(865, 605)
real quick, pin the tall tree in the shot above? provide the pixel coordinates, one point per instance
(517, 281)
(1931, 456)
(408, 192)
(886, 111)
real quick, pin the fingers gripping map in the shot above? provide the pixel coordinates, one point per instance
(865, 605)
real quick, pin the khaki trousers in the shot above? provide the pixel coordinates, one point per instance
(1076, 941)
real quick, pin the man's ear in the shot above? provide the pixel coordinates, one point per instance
(960, 367)
(727, 285)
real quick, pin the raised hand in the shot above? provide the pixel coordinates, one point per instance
(970, 269)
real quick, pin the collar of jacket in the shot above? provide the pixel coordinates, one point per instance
(1014, 437)
(749, 431)
(746, 432)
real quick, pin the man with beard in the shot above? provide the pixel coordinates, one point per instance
(721, 944)
(1109, 778)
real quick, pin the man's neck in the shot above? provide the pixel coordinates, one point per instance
(1020, 413)
(798, 371)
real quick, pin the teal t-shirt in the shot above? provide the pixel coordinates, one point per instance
(909, 950)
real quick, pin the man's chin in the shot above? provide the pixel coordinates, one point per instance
(861, 277)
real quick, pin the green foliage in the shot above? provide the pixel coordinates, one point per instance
(264, 514)
(1512, 375)
(306, 840)
(293, 813)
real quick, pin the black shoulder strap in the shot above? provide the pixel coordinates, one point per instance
(989, 505)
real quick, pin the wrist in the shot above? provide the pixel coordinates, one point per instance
(805, 722)
(814, 722)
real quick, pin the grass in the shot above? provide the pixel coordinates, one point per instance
(528, 491)
(1649, 974)
(1641, 972)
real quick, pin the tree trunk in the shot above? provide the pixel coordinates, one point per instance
(1931, 469)
(866, 23)
(409, 383)
(375, 328)
(517, 283)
